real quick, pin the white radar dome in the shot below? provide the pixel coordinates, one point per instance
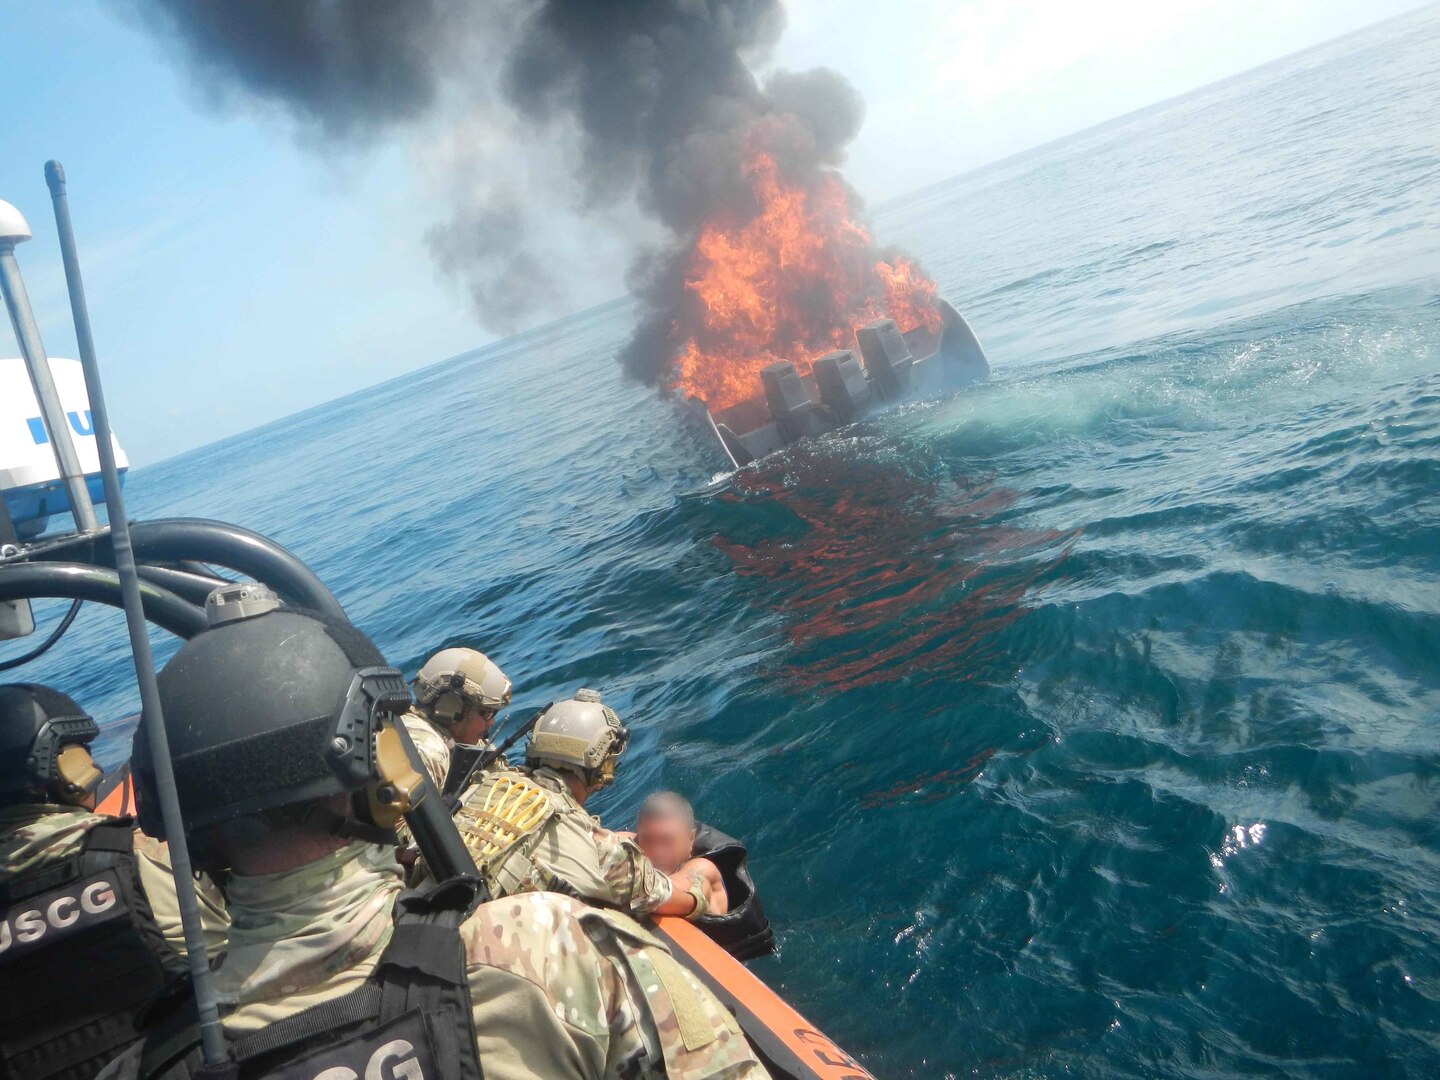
(13, 226)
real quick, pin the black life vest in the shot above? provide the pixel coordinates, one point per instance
(411, 1019)
(80, 955)
(744, 931)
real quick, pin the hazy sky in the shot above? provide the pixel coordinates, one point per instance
(236, 275)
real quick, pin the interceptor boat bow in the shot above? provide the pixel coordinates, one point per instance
(161, 573)
(182, 560)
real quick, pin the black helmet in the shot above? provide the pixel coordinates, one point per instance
(43, 740)
(265, 710)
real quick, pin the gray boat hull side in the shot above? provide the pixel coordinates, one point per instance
(960, 354)
(950, 360)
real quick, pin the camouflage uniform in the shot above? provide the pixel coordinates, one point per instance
(39, 834)
(435, 745)
(433, 742)
(557, 989)
(568, 852)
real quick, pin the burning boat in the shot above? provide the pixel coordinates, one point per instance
(780, 318)
(841, 387)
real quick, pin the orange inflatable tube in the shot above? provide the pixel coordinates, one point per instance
(790, 1045)
(117, 796)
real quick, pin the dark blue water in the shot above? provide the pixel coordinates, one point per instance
(1085, 725)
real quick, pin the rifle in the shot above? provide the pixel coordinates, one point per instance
(467, 760)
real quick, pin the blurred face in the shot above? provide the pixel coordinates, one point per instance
(666, 841)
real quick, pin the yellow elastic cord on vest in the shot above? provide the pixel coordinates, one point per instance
(512, 808)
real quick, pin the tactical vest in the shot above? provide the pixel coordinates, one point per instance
(412, 1019)
(744, 931)
(503, 829)
(80, 955)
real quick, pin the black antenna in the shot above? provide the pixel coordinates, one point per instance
(212, 1036)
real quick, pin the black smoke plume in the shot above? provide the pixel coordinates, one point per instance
(659, 96)
(348, 69)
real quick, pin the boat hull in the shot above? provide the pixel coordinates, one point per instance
(843, 387)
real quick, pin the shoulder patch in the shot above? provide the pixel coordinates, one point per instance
(62, 913)
(399, 1050)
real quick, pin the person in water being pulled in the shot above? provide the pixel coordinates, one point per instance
(89, 922)
(529, 831)
(458, 693)
(278, 723)
(665, 831)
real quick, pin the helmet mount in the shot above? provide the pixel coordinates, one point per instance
(243, 601)
(44, 747)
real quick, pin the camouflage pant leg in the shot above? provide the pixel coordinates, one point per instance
(698, 1038)
(543, 1000)
(556, 993)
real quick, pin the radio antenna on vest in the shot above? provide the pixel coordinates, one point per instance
(212, 1037)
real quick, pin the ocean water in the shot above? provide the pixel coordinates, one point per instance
(1084, 725)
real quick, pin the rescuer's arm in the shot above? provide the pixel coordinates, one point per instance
(687, 897)
(643, 890)
(638, 887)
(696, 889)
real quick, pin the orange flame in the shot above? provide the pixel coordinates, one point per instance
(790, 283)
